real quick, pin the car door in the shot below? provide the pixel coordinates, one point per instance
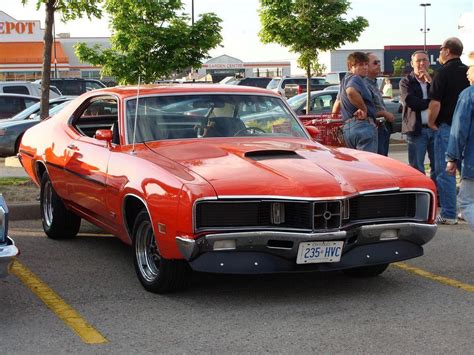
(87, 158)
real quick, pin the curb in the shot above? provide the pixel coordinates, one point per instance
(24, 211)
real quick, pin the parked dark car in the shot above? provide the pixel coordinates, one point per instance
(76, 86)
(11, 104)
(8, 250)
(321, 102)
(11, 130)
(260, 82)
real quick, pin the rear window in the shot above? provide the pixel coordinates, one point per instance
(70, 87)
(17, 89)
(273, 84)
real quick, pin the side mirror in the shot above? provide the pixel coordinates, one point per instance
(313, 131)
(104, 135)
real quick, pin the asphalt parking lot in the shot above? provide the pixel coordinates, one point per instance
(83, 296)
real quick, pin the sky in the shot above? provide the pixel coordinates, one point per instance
(391, 22)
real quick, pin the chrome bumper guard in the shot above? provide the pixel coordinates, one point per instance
(258, 241)
(7, 253)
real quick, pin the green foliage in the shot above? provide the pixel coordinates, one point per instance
(399, 65)
(15, 181)
(310, 59)
(72, 9)
(152, 39)
(307, 27)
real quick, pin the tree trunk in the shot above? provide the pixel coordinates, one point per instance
(48, 45)
(308, 89)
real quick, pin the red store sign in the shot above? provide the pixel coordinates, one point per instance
(20, 27)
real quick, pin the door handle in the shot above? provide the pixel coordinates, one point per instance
(72, 147)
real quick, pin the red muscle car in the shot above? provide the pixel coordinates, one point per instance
(222, 179)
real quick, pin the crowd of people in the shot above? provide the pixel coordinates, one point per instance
(437, 120)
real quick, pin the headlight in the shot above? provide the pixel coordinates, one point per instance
(3, 220)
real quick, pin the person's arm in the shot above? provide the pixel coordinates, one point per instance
(356, 99)
(336, 108)
(433, 111)
(460, 128)
(387, 115)
(408, 96)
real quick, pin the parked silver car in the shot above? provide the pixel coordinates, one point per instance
(8, 250)
(12, 129)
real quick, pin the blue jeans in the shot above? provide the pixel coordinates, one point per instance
(466, 201)
(383, 139)
(418, 146)
(360, 134)
(445, 183)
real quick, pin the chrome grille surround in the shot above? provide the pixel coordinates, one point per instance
(313, 214)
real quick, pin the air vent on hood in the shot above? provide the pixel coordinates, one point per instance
(273, 154)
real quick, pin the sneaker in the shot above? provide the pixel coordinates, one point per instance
(460, 216)
(447, 221)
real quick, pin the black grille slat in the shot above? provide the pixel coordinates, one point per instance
(297, 215)
(380, 206)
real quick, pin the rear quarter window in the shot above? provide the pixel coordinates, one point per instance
(17, 89)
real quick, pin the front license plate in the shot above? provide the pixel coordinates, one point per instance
(319, 252)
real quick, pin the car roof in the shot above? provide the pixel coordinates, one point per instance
(150, 89)
(21, 95)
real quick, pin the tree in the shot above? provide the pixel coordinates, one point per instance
(151, 39)
(311, 59)
(307, 27)
(399, 65)
(69, 10)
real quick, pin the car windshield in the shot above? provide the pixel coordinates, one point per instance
(273, 84)
(54, 110)
(297, 101)
(203, 116)
(27, 112)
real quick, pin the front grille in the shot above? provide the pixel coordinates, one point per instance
(382, 206)
(293, 215)
(316, 216)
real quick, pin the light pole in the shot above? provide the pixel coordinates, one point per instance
(424, 29)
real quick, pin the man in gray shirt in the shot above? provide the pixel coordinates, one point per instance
(384, 128)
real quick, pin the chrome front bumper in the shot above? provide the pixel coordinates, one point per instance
(386, 242)
(7, 252)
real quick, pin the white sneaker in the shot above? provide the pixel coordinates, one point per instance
(447, 221)
(460, 216)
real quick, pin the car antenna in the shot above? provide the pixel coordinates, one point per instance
(136, 115)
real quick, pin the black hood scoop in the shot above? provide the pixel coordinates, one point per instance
(272, 154)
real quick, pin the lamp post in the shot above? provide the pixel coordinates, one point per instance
(424, 29)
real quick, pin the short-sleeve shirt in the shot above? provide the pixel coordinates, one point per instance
(446, 86)
(376, 94)
(347, 108)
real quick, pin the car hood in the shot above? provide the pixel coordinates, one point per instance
(291, 167)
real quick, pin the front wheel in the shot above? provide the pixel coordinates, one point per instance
(366, 271)
(58, 222)
(156, 274)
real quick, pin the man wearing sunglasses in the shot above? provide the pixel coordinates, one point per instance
(384, 118)
(445, 88)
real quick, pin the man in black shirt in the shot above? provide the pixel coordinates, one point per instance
(444, 91)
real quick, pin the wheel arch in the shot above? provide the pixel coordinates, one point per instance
(40, 169)
(132, 205)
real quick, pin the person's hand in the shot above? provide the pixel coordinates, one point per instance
(433, 126)
(425, 75)
(451, 167)
(389, 116)
(360, 114)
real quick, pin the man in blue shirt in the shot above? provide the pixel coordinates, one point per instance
(356, 106)
(461, 146)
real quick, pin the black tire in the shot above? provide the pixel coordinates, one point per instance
(58, 222)
(366, 271)
(156, 274)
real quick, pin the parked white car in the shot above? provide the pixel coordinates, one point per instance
(25, 88)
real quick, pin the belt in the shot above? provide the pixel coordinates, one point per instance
(424, 126)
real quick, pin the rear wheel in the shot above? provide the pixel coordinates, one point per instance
(156, 274)
(58, 222)
(366, 271)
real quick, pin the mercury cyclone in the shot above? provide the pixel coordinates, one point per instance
(215, 186)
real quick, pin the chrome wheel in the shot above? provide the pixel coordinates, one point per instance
(47, 203)
(147, 253)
